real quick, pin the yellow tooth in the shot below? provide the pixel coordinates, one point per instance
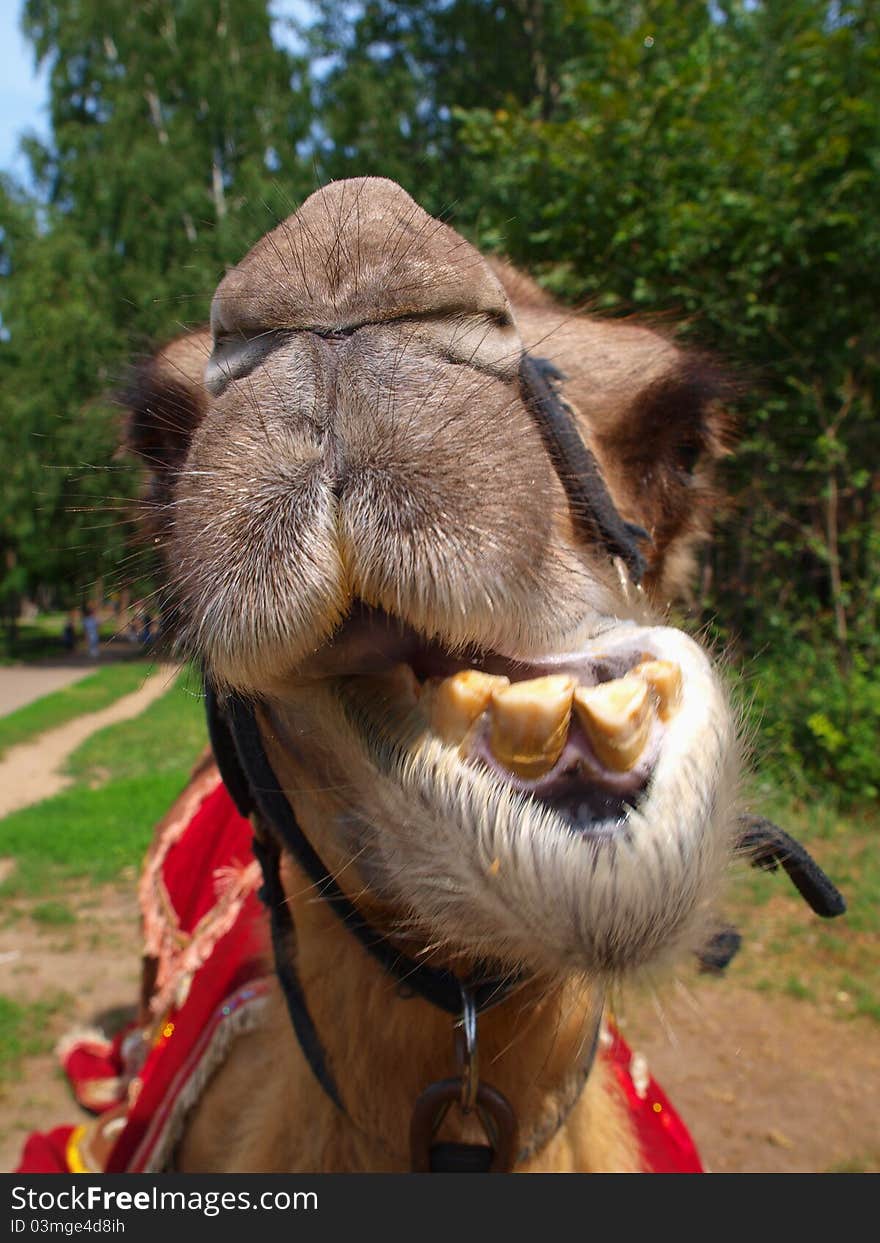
(529, 724)
(616, 717)
(664, 679)
(456, 702)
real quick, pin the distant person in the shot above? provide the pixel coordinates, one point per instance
(68, 635)
(90, 629)
(146, 630)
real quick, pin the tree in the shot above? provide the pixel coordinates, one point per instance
(175, 126)
(727, 175)
(392, 73)
(58, 439)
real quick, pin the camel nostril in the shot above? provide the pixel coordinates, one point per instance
(334, 334)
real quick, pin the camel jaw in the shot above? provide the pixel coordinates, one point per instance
(598, 863)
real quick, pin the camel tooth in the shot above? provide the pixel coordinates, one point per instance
(529, 724)
(616, 717)
(456, 702)
(664, 679)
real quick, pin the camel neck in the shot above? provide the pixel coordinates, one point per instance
(382, 1044)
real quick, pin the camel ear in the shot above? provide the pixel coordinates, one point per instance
(665, 445)
(166, 400)
(678, 423)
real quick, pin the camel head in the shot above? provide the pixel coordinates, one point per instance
(484, 726)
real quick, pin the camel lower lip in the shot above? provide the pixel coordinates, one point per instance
(587, 797)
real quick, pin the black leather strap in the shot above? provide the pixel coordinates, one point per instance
(252, 782)
(284, 947)
(720, 950)
(591, 505)
(450, 1158)
(769, 847)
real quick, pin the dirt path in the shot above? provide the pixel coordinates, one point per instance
(22, 684)
(766, 1084)
(30, 772)
(79, 972)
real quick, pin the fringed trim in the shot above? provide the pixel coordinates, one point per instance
(240, 1014)
(177, 965)
(91, 1036)
(180, 954)
(150, 888)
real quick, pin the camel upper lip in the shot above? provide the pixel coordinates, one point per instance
(372, 641)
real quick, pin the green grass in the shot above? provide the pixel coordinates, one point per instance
(85, 834)
(126, 778)
(166, 737)
(24, 1030)
(97, 690)
(53, 914)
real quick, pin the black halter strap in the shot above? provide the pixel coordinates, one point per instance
(591, 506)
(254, 785)
(250, 779)
(768, 847)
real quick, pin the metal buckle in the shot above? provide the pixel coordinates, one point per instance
(471, 1096)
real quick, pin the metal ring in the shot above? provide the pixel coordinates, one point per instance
(466, 1051)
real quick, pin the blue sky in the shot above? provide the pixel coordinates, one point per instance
(23, 92)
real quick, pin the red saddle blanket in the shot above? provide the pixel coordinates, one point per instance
(206, 979)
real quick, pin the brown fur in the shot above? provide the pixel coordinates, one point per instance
(265, 1112)
(362, 438)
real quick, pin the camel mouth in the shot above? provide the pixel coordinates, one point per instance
(578, 734)
(565, 811)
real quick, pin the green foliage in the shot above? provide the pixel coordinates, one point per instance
(393, 71)
(818, 728)
(58, 345)
(174, 132)
(169, 118)
(726, 172)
